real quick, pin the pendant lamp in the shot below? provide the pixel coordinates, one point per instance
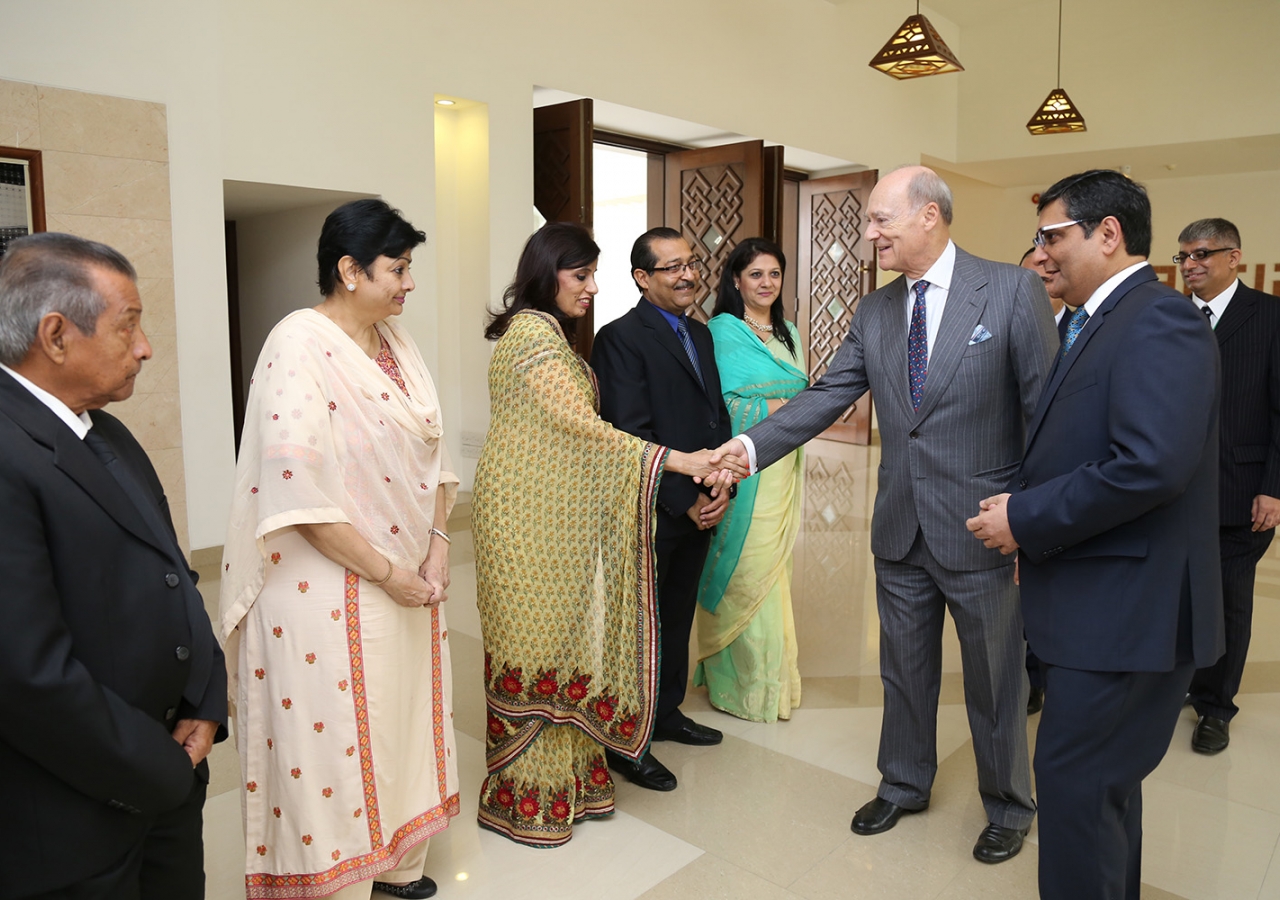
(1057, 114)
(916, 50)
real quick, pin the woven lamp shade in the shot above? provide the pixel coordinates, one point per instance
(916, 50)
(1056, 115)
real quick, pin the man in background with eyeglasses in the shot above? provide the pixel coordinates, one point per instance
(1246, 324)
(656, 367)
(1113, 514)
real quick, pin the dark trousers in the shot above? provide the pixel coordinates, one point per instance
(168, 864)
(679, 567)
(1100, 734)
(1035, 672)
(1213, 690)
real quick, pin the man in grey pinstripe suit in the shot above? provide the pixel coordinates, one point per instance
(954, 440)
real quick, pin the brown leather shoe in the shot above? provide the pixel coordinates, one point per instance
(997, 843)
(1211, 736)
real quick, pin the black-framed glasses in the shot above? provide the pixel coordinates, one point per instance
(1198, 255)
(1041, 235)
(696, 266)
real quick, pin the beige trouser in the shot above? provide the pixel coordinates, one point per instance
(410, 869)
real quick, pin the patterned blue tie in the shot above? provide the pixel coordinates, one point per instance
(918, 346)
(682, 331)
(1074, 327)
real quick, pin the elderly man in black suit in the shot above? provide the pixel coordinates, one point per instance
(112, 686)
(1247, 325)
(1114, 515)
(658, 381)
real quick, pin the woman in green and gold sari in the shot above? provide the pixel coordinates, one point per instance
(562, 520)
(746, 631)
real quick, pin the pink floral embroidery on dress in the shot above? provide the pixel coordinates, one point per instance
(287, 703)
(303, 586)
(387, 362)
(327, 793)
(319, 727)
(310, 658)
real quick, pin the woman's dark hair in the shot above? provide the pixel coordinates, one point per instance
(363, 230)
(729, 299)
(553, 247)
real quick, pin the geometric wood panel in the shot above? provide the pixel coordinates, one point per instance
(836, 270)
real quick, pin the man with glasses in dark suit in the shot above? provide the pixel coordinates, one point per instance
(1246, 324)
(658, 381)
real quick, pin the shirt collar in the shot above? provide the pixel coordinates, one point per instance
(672, 319)
(1219, 303)
(939, 274)
(79, 424)
(1104, 290)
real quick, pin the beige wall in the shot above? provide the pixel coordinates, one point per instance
(106, 177)
(324, 94)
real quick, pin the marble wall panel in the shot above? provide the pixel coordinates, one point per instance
(87, 185)
(102, 125)
(19, 115)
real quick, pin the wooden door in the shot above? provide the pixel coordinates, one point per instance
(719, 196)
(562, 176)
(836, 269)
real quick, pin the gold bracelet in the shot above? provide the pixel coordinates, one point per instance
(390, 569)
(441, 533)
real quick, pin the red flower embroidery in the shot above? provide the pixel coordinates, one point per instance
(259, 674)
(336, 854)
(444, 635)
(332, 406)
(303, 586)
(275, 557)
(342, 685)
(270, 743)
(604, 709)
(275, 811)
(386, 478)
(327, 793)
(386, 396)
(335, 615)
(560, 810)
(496, 728)
(357, 814)
(327, 353)
(505, 797)
(253, 490)
(423, 485)
(319, 727)
(529, 806)
(295, 772)
(351, 751)
(628, 727)
(306, 839)
(268, 365)
(262, 849)
(286, 474)
(251, 786)
(227, 567)
(547, 684)
(599, 776)
(311, 659)
(577, 689)
(287, 703)
(511, 682)
(395, 529)
(277, 631)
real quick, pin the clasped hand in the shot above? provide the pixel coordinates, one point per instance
(991, 524)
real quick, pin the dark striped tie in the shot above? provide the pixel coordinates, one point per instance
(918, 346)
(682, 330)
(1074, 327)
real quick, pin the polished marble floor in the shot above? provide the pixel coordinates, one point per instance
(766, 814)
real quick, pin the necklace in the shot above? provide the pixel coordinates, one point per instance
(763, 329)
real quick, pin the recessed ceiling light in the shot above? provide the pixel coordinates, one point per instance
(446, 102)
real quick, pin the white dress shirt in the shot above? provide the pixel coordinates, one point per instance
(79, 424)
(1104, 290)
(1218, 305)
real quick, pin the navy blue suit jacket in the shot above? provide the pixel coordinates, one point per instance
(1115, 506)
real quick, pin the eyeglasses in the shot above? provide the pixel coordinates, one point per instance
(1040, 236)
(695, 266)
(1198, 255)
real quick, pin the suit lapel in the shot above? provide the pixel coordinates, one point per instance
(965, 302)
(893, 342)
(1239, 310)
(75, 459)
(665, 335)
(1062, 364)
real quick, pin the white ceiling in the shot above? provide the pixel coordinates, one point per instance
(244, 199)
(641, 123)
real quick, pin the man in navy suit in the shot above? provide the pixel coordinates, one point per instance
(112, 686)
(1246, 324)
(658, 380)
(1114, 514)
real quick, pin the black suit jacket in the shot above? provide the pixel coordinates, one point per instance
(648, 388)
(96, 606)
(1249, 342)
(1115, 504)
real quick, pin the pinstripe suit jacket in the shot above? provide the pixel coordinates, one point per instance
(965, 441)
(1249, 341)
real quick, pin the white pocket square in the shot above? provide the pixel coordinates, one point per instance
(980, 334)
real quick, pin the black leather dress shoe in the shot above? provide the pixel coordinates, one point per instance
(688, 732)
(417, 890)
(647, 772)
(1035, 701)
(997, 843)
(879, 815)
(1211, 736)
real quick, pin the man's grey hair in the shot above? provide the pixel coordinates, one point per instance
(926, 186)
(46, 273)
(1219, 230)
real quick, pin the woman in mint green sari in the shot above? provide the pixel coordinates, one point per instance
(747, 655)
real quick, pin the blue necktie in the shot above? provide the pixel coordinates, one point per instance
(1074, 327)
(918, 346)
(682, 331)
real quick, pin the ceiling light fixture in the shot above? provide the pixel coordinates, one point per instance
(1057, 114)
(446, 103)
(916, 50)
